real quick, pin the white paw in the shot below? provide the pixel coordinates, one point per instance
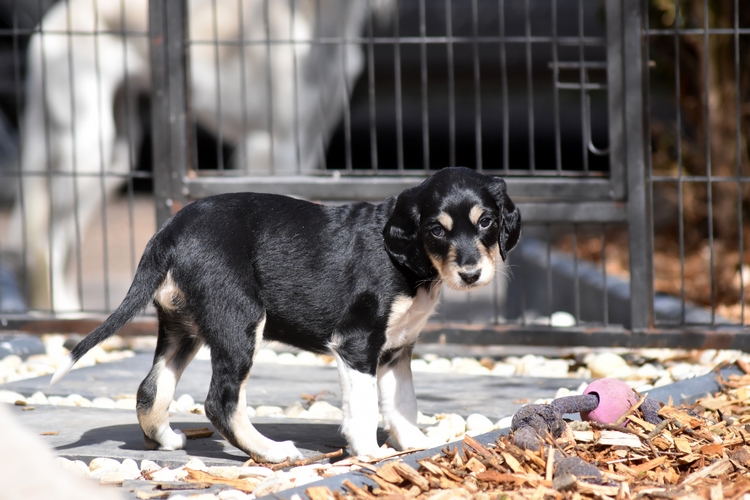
(279, 452)
(172, 439)
(410, 440)
(377, 454)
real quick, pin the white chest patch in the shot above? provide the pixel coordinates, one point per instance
(408, 316)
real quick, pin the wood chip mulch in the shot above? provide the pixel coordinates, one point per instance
(698, 452)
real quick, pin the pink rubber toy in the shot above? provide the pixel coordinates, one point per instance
(615, 398)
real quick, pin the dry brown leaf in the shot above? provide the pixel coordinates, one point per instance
(714, 403)
(203, 432)
(198, 476)
(682, 444)
(409, 473)
(319, 493)
(388, 473)
(513, 463)
(493, 476)
(680, 416)
(477, 446)
(651, 464)
(712, 449)
(475, 465)
(715, 469)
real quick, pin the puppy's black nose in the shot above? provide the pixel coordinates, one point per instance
(470, 277)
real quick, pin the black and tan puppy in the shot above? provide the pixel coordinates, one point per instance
(358, 281)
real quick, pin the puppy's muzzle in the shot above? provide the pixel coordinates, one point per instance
(470, 276)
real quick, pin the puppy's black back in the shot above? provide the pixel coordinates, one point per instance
(314, 270)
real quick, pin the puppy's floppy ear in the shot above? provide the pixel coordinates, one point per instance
(510, 218)
(401, 234)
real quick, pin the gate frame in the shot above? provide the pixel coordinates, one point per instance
(621, 198)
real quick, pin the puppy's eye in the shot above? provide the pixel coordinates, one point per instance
(485, 222)
(438, 231)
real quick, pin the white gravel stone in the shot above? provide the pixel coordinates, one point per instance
(226, 472)
(196, 464)
(286, 358)
(269, 411)
(504, 423)
(104, 463)
(441, 365)
(12, 361)
(562, 392)
(608, 364)
(77, 400)
(250, 411)
(664, 380)
(503, 369)
(554, 368)
(37, 367)
(38, 398)
(419, 365)
(111, 478)
(449, 426)
(529, 365)
(423, 419)
(562, 319)
(469, 366)
(296, 410)
(265, 356)
(102, 402)
(184, 403)
(683, 371)
(11, 397)
(149, 466)
(649, 371)
(76, 466)
(309, 359)
(129, 466)
(325, 410)
(164, 474)
(476, 423)
(336, 470)
(126, 403)
(204, 353)
(5, 372)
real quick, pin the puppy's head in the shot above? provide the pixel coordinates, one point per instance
(456, 222)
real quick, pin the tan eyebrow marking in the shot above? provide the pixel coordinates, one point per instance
(475, 213)
(446, 220)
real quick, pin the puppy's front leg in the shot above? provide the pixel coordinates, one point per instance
(398, 402)
(359, 396)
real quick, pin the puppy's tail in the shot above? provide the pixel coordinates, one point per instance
(152, 270)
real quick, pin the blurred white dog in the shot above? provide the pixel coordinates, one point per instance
(90, 51)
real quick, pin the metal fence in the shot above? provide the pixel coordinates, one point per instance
(337, 100)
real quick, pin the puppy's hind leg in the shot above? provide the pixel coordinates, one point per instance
(226, 403)
(176, 346)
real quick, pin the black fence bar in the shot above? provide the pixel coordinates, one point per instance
(169, 105)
